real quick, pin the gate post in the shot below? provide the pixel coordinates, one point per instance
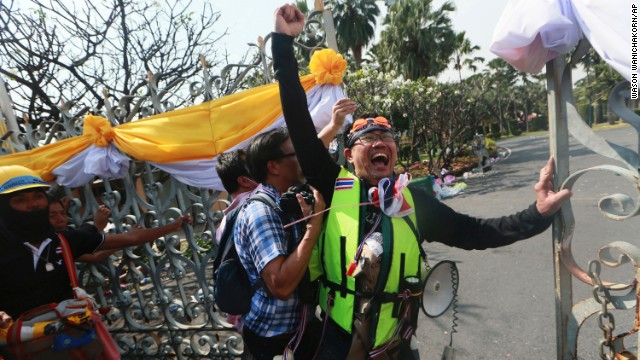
(329, 27)
(559, 148)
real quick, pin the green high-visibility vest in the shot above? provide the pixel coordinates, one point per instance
(343, 232)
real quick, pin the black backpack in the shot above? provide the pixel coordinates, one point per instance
(232, 289)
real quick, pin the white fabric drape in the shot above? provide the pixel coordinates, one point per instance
(94, 161)
(530, 33)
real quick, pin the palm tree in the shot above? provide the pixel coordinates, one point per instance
(417, 41)
(464, 48)
(600, 79)
(604, 79)
(355, 24)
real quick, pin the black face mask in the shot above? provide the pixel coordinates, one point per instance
(29, 226)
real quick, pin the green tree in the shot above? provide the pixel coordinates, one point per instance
(509, 97)
(502, 78)
(485, 109)
(592, 92)
(355, 22)
(370, 90)
(410, 104)
(584, 99)
(462, 52)
(417, 41)
(453, 119)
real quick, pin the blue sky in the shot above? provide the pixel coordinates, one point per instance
(248, 19)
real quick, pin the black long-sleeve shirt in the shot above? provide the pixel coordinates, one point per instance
(435, 220)
(27, 284)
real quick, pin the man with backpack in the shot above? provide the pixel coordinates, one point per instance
(237, 182)
(234, 175)
(272, 254)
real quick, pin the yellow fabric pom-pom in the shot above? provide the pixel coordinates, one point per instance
(99, 129)
(327, 67)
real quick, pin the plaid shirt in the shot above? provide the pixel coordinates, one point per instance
(260, 237)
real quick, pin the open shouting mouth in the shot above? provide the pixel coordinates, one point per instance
(380, 159)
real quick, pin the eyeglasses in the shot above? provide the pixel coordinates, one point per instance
(372, 138)
(284, 156)
(361, 124)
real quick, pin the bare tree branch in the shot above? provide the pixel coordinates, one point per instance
(52, 51)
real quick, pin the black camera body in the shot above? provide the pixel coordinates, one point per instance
(289, 201)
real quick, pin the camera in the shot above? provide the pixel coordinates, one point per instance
(289, 202)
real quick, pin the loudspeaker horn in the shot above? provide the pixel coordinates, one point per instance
(440, 288)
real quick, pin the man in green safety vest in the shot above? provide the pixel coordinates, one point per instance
(369, 257)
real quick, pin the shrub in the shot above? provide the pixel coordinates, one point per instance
(539, 123)
(515, 127)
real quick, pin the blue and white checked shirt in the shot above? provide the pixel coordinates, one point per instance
(260, 237)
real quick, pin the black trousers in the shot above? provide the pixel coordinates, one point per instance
(337, 343)
(265, 348)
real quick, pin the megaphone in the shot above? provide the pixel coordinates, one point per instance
(440, 288)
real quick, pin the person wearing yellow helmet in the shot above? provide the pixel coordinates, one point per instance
(32, 270)
(23, 203)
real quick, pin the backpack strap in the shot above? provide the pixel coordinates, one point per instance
(228, 230)
(265, 199)
(230, 224)
(230, 245)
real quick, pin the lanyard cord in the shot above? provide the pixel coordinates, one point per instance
(35, 253)
(329, 208)
(358, 253)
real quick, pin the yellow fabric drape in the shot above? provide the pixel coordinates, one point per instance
(194, 133)
(203, 131)
(197, 132)
(44, 159)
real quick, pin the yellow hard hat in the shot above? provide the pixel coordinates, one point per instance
(15, 178)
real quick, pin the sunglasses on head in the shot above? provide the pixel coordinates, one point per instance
(362, 124)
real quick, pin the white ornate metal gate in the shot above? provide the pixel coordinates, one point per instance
(607, 296)
(159, 296)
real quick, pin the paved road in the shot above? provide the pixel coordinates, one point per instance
(506, 306)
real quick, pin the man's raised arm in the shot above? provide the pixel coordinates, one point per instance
(316, 163)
